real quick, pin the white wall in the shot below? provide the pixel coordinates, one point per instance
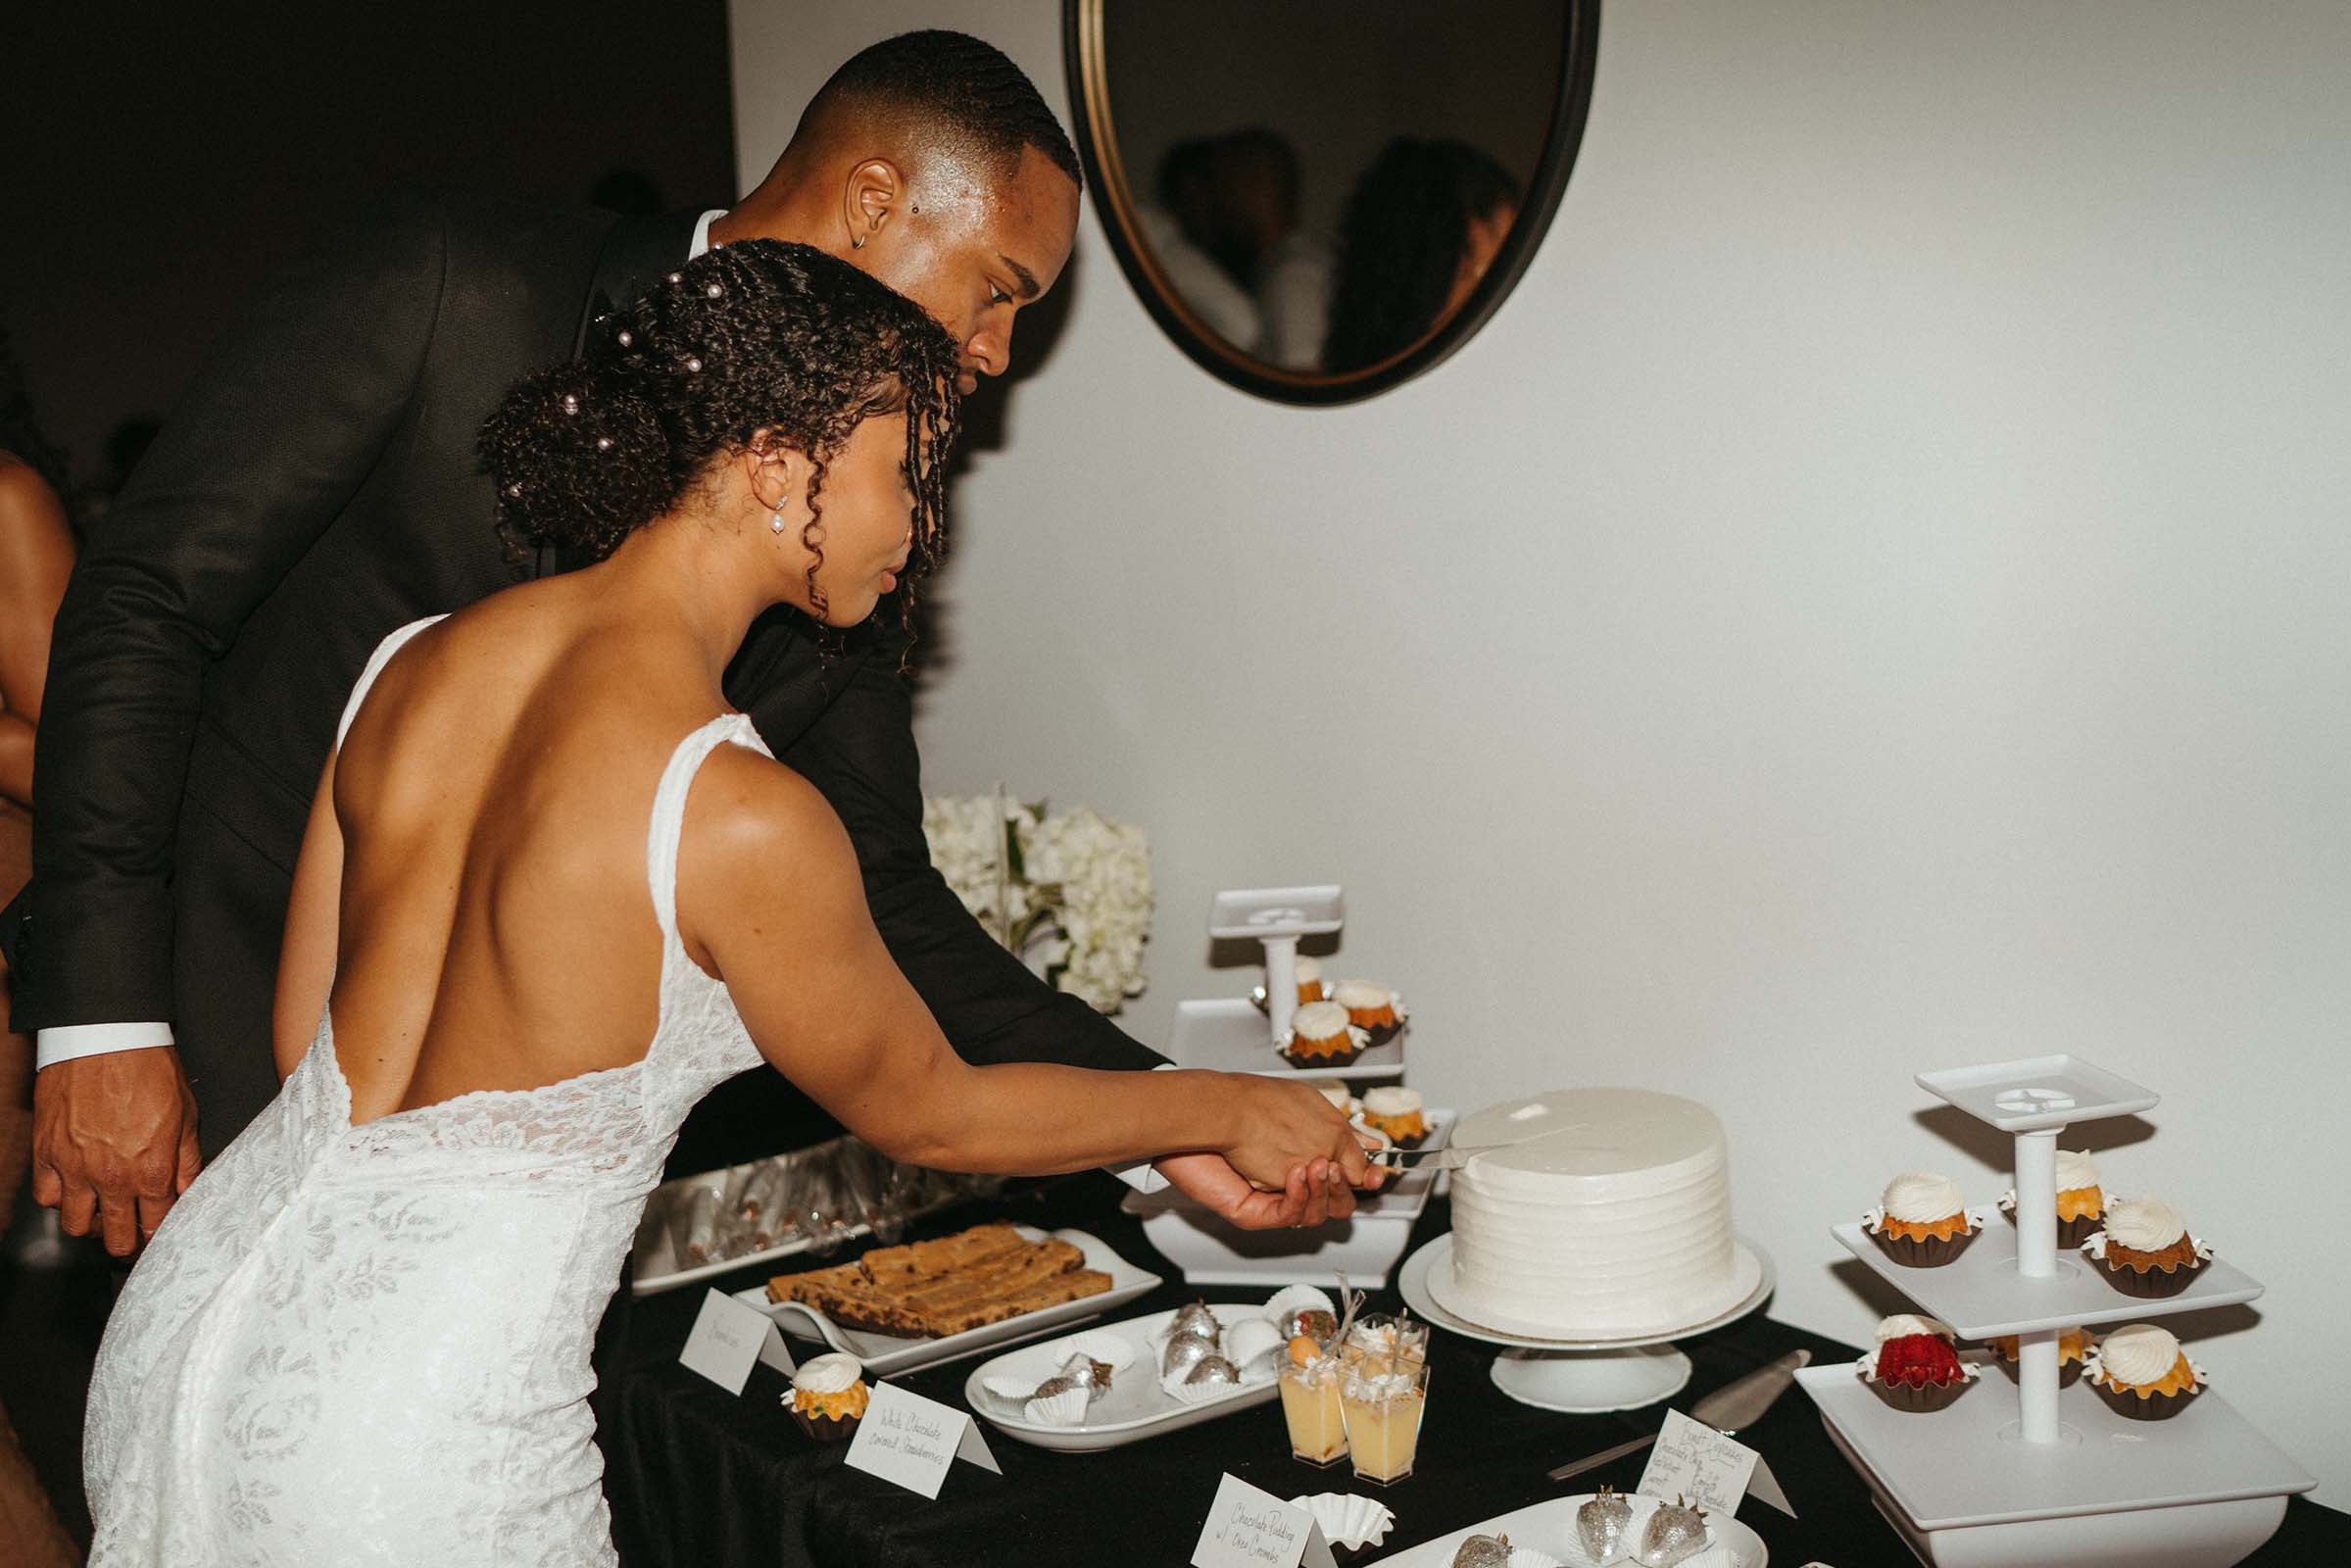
(1873, 600)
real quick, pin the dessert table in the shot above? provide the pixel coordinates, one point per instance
(698, 1477)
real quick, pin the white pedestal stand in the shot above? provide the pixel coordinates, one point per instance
(1582, 1376)
(1277, 917)
(2068, 1479)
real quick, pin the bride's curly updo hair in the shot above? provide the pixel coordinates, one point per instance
(760, 336)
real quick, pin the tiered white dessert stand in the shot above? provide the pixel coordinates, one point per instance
(2058, 1476)
(1232, 1034)
(1582, 1376)
(1228, 1033)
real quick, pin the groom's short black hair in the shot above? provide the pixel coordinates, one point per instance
(964, 94)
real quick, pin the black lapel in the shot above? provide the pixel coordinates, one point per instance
(638, 251)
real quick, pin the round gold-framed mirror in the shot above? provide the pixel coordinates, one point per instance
(1318, 200)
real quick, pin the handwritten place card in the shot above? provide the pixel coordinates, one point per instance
(728, 1338)
(912, 1442)
(1692, 1460)
(1252, 1529)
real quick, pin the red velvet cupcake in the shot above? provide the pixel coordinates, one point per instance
(1917, 1366)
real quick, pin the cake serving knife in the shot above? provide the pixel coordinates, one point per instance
(1738, 1404)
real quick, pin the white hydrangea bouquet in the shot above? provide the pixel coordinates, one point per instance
(1068, 892)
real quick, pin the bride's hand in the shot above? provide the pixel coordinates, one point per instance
(1280, 1125)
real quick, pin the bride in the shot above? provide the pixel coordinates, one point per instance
(531, 925)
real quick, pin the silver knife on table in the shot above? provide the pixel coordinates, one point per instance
(1738, 1404)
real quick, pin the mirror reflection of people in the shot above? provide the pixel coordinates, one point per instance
(1422, 227)
(1184, 226)
(1284, 264)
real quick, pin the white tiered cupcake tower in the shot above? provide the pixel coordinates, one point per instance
(2058, 1476)
(1229, 1033)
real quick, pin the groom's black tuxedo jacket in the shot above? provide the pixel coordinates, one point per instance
(317, 488)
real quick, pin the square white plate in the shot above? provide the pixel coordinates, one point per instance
(1228, 1034)
(1981, 1294)
(2035, 1093)
(886, 1354)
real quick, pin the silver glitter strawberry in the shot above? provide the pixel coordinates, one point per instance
(1603, 1524)
(1184, 1352)
(1195, 1318)
(1213, 1369)
(1677, 1530)
(1091, 1375)
(1482, 1552)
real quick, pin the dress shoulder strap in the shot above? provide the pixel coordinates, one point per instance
(375, 664)
(670, 809)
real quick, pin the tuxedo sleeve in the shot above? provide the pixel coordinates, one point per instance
(860, 753)
(281, 427)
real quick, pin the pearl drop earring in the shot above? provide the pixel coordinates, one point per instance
(775, 523)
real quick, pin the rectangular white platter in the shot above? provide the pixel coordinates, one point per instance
(1228, 1034)
(1549, 1528)
(1980, 1293)
(1963, 1466)
(1136, 1407)
(1366, 1247)
(2038, 1092)
(888, 1354)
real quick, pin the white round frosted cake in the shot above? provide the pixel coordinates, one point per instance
(1607, 1216)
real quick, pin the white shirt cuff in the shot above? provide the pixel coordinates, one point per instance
(69, 1041)
(1142, 1175)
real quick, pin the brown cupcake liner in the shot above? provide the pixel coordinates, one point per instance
(1382, 1033)
(1920, 1396)
(2151, 1407)
(2151, 1283)
(2070, 1233)
(2069, 1373)
(1929, 1251)
(1313, 1062)
(826, 1428)
(1414, 1142)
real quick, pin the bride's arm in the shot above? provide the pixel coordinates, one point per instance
(306, 958)
(770, 900)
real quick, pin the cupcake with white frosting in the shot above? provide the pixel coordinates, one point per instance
(1321, 1037)
(1336, 1092)
(1369, 1005)
(2081, 1199)
(1397, 1113)
(828, 1396)
(1311, 987)
(2145, 1249)
(1921, 1220)
(2140, 1370)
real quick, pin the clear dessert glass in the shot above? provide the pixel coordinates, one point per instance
(1385, 1344)
(1310, 1405)
(1382, 1404)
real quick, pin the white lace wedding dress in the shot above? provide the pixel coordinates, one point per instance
(369, 1345)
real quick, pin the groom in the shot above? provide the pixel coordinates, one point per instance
(318, 488)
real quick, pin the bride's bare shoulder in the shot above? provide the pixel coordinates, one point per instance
(746, 809)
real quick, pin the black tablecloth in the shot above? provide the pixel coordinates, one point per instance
(698, 1478)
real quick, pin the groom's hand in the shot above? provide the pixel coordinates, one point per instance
(1314, 1193)
(114, 1137)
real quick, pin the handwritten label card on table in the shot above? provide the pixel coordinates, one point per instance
(1692, 1460)
(914, 1442)
(1252, 1529)
(728, 1338)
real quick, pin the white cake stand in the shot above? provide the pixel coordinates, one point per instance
(1581, 1377)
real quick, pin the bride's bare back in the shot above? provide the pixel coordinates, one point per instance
(494, 928)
